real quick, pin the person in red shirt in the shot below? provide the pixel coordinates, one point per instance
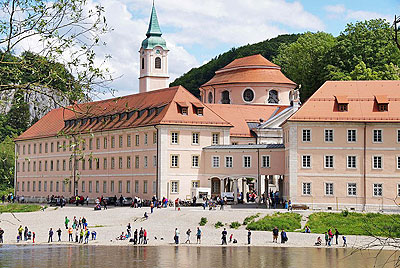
(144, 236)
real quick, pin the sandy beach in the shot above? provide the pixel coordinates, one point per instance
(160, 226)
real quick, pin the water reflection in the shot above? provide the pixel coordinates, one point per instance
(145, 257)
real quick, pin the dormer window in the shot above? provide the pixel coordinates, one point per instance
(200, 111)
(342, 103)
(182, 108)
(382, 103)
(198, 108)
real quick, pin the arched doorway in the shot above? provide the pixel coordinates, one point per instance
(215, 187)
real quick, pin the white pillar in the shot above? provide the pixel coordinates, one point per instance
(235, 190)
(222, 184)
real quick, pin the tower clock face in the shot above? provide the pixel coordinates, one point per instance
(158, 51)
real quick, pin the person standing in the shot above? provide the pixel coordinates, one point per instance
(70, 238)
(144, 236)
(129, 230)
(81, 234)
(141, 235)
(326, 238)
(188, 236)
(275, 234)
(87, 234)
(33, 237)
(344, 241)
(59, 234)
(283, 237)
(176, 236)
(198, 234)
(248, 237)
(20, 230)
(135, 237)
(66, 222)
(336, 235)
(76, 235)
(1, 233)
(50, 235)
(224, 234)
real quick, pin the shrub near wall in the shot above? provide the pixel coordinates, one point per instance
(287, 221)
(353, 223)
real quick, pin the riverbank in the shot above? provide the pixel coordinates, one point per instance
(160, 226)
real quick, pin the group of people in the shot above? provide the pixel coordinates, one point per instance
(10, 198)
(78, 230)
(329, 238)
(188, 235)
(139, 237)
(24, 234)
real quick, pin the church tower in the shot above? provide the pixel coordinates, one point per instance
(153, 58)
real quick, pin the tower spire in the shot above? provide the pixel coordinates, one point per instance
(154, 26)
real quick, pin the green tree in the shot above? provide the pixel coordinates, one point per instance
(18, 117)
(303, 60)
(6, 163)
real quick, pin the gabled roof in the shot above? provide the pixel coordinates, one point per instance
(143, 109)
(252, 69)
(240, 115)
(361, 96)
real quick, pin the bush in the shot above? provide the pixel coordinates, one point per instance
(203, 221)
(287, 221)
(249, 219)
(345, 213)
(353, 223)
(235, 225)
(218, 224)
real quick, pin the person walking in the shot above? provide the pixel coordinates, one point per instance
(198, 234)
(1, 233)
(59, 234)
(70, 238)
(248, 237)
(224, 234)
(50, 235)
(275, 234)
(66, 222)
(188, 236)
(176, 237)
(336, 235)
(344, 241)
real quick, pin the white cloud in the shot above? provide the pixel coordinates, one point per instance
(336, 9)
(340, 11)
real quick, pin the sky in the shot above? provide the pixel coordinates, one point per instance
(199, 30)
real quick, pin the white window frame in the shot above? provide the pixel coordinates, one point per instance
(195, 138)
(265, 161)
(398, 136)
(329, 191)
(398, 189)
(398, 162)
(380, 136)
(215, 161)
(195, 161)
(215, 138)
(174, 137)
(348, 161)
(377, 189)
(302, 161)
(303, 135)
(245, 157)
(355, 136)
(332, 135)
(331, 159)
(351, 189)
(306, 188)
(174, 187)
(227, 162)
(174, 161)
(373, 162)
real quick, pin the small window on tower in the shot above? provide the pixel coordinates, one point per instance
(210, 97)
(142, 63)
(158, 63)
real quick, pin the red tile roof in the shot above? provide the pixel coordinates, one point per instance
(361, 96)
(240, 115)
(252, 69)
(143, 109)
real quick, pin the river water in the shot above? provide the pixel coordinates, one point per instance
(39, 256)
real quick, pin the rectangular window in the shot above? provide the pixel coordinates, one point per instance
(34, 165)
(45, 166)
(377, 162)
(51, 147)
(136, 161)
(351, 161)
(120, 163)
(90, 186)
(136, 186)
(378, 189)
(174, 160)
(266, 161)
(112, 162)
(154, 187)
(90, 162)
(228, 161)
(351, 135)
(97, 186)
(329, 188)
(306, 161)
(58, 165)
(195, 184)
(146, 162)
(57, 186)
(104, 186)
(45, 186)
(121, 141)
(306, 188)
(112, 186)
(97, 161)
(64, 146)
(195, 161)
(40, 148)
(104, 163)
(39, 186)
(34, 186)
(215, 161)
(215, 139)
(128, 187)
(351, 189)
(137, 140)
(34, 148)
(23, 186)
(328, 161)
(97, 145)
(128, 141)
(377, 135)
(83, 187)
(64, 165)
(154, 137)
(398, 135)
(40, 165)
(90, 144)
(154, 161)
(145, 187)
(145, 139)
(174, 137)
(306, 135)
(63, 185)
(195, 138)
(28, 187)
(128, 162)
(105, 143)
(398, 162)
(29, 148)
(246, 161)
(23, 149)
(119, 186)
(174, 187)
(112, 142)
(83, 144)
(328, 135)
(83, 164)
(398, 189)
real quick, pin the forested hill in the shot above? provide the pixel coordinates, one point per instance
(193, 79)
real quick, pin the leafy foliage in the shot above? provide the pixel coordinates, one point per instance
(193, 79)
(235, 225)
(6, 163)
(371, 224)
(203, 221)
(218, 224)
(287, 221)
(19, 208)
(251, 218)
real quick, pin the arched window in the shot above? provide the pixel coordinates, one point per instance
(273, 97)
(142, 63)
(210, 97)
(225, 99)
(158, 63)
(248, 95)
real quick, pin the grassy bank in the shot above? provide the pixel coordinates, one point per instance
(356, 223)
(19, 208)
(287, 221)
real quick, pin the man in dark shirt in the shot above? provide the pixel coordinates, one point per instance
(224, 234)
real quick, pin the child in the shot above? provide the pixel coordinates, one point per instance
(230, 238)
